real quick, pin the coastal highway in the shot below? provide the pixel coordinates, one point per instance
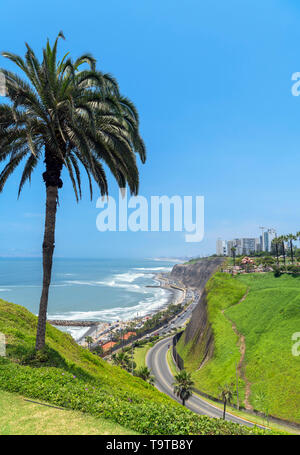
(156, 361)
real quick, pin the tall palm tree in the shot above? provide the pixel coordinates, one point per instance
(226, 394)
(291, 237)
(233, 251)
(276, 242)
(145, 374)
(282, 239)
(183, 386)
(66, 116)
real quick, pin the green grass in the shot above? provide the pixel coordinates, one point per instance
(267, 318)
(69, 376)
(140, 353)
(20, 417)
(223, 291)
(251, 417)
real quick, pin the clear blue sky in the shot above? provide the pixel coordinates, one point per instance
(212, 82)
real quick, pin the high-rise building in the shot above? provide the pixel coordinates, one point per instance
(221, 247)
(269, 236)
(243, 246)
(247, 245)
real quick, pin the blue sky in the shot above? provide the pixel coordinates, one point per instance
(212, 83)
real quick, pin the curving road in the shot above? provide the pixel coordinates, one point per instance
(156, 361)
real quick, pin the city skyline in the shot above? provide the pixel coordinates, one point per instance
(247, 245)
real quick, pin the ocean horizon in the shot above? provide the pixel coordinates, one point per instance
(87, 289)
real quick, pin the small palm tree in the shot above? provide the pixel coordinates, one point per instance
(261, 403)
(226, 395)
(89, 341)
(145, 374)
(183, 386)
(122, 360)
(67, 117)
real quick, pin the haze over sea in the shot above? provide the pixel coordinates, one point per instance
(86, 289)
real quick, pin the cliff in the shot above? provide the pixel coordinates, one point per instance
(195, 275)
(197, 340)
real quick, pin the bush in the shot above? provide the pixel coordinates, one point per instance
(277, 271)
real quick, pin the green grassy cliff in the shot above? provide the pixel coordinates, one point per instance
(257, 314)
(68, 375)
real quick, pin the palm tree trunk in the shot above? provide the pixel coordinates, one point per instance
(283, 252)
(224, 411)
(277, 254)
(183, 402)
(48, 248)
(292, 252)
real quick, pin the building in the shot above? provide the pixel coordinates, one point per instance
(246, 246)
(108, 346)
(268, 237)
(221, 248)
(243, 246)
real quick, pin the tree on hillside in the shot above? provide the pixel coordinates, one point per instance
(66, 116)
(261, 403)
(226, 395)
(145, 374)
(122, 360)
(183, 386)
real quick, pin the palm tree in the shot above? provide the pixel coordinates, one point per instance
(291, 237)
(298, 236)
(233, 250)
(66, 116)
(122, 360)
(89, 341)
(145, 374)
(276, 242)
(226, 395)
(282, 239)
(183, 386)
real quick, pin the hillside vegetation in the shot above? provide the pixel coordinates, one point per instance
(19, 417)
(68, 375)
(267, 317)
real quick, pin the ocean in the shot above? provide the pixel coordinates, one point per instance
(87, 289)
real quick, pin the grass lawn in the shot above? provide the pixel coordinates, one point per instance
(253, 418)
(267, 318)
(20, 417)
(140, 353)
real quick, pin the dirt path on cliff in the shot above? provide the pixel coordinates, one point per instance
(241, 365)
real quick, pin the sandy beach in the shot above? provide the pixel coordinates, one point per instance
(104, 330)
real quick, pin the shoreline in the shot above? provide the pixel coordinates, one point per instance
(97, 331)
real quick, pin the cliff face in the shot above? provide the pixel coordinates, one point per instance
(196, 275)
(197, 341)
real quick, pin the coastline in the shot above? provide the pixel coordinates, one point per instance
(97, 331)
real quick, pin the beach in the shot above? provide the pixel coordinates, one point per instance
(106, 291)
(104, 330)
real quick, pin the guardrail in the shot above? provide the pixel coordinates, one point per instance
(177, 358)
